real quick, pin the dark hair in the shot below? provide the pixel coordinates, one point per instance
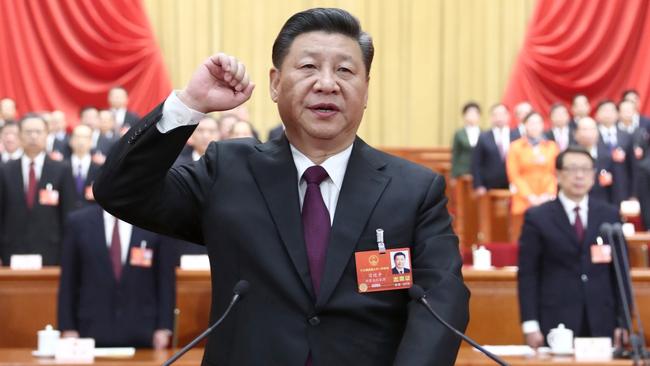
(329, 20)
(629, 91)
(606, 101)
(470, 105)
(555, 106)
(399, 253)
(573, 149)
(9, 124)
(32, 116)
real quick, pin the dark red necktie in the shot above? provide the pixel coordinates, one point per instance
(315, 223)
(579, 228)
(116, 251)
(31, 186)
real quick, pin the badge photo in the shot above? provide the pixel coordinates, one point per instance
(141, 256)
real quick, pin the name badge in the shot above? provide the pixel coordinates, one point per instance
(141, 256)
(601, 253)
(48, 196)
(88, 194)
(384, 270)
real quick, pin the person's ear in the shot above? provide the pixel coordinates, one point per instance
(274, 84)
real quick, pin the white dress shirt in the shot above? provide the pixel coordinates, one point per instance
(119, 115)
(38, 167)
(125, 234)
(6, 156)
(195, 155)
(502, 136)
(561, 135)
(472, 134)
(609, 134)
(176, 114)
(83, 164)
(569, 206)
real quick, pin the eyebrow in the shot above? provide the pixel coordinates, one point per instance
(316, 54)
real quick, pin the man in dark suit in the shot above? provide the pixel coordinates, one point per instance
(118, 101)
(84, 170)
(289, 215)
(561, 131)
(620, 147)
(521, 111)
(557, 280)
(117, 282)
(35, 195)
(580, 108)
(57, 145)
(465, 139)
(489, 156)
(399, 259)
(587, 137)
(10, 142)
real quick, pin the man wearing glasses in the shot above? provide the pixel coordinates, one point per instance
(560, 279)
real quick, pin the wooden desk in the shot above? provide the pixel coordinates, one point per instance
(23, 357)
(28, 302)
(466, 357)
(469, 357)
(638, 247)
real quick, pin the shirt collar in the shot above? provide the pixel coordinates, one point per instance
(84, 161)
(38, 160)
(569, 205)
(195, 155)
(335, 165)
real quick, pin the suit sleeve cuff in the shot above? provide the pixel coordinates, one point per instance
(176, 114)
(530, 326)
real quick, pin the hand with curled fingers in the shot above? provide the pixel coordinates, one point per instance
(220, 83)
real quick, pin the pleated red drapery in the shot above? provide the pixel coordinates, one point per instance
(595, 47)
(65, 54)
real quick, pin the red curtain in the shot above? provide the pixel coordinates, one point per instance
(595, 47)
(65, 54)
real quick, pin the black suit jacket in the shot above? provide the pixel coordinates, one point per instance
(557, 281)
(105, 143)
(80, 197)
(550, 135)
(92, 302)
(39, 230)
(276, 132)
(623, 172)
(241, 201)
(488, 169)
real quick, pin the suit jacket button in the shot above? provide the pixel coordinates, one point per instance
(314, 321)
(584, 278)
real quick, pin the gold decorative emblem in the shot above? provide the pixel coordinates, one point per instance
(374, 260)
(363, 287)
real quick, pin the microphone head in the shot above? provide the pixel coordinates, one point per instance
(606, 227)
(617, 226)
(416, 292)
(241, 287)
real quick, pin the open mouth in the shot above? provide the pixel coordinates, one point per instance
(324, 108)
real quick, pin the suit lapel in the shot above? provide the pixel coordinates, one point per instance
(17, 177)
(592, 227)
(561, 219)
(277, 179)
(362, 186)
(98, 241)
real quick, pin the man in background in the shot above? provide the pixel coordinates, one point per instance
(7, 111)
(84, 169)
(10, 142)
(586, 136)
(521, 110)
(36, 194)
(57, 145)
(117, 282)
(118, 101)
(560, 131)
(580, 108)
(558, 281)
(489, 156)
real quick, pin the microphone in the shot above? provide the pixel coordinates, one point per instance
(417, 293)
(239, 290)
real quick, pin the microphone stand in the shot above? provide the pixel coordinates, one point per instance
(637, 339)
(607, 230)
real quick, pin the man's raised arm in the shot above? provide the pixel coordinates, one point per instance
(136, 183)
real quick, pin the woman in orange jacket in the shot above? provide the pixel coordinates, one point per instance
(530, 165)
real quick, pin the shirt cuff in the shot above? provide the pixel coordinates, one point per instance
(530, 326)
(176, 114)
